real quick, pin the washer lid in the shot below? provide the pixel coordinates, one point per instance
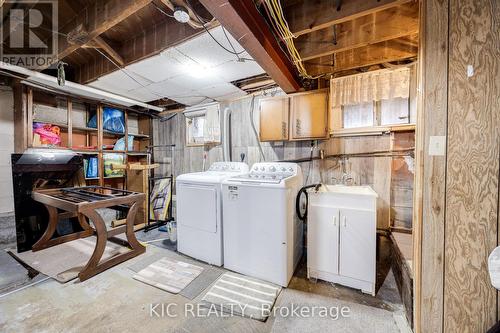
(205, 177)
(262, 177)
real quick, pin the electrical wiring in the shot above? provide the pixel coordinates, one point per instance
(162, 11)
(215, 39)
(275, 12)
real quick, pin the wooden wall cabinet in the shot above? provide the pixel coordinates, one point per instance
(302, 116)
(274, 113)
(309, 115)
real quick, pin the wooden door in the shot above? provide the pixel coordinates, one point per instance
(309, 115)
(274, 119)
(358, 246)
(323, 239)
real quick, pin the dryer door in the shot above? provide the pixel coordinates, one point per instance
(197, 206)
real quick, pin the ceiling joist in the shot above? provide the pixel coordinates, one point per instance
(380, 53)
(308, 16)
(159, 37)
(95, 19)
(102, 44)
(374, 28)
(244, 22)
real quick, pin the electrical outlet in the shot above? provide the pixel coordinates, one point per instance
(437, 145)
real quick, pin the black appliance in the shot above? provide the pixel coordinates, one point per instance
(35, 170)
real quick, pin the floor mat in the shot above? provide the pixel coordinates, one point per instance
(199, 284)
(63, 262)
(13, 275)
(169, 275)
(242, 295)
(328, 314)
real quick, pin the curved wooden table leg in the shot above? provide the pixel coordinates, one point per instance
(90, 268)
(83, 222)
(94, 266)
(132, 240)
(43, 242)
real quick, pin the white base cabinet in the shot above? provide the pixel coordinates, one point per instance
(341, 241)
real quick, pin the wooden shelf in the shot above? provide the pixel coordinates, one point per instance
(109, 151)
(140, 136)
(137, 153)
(109, 133)
(86, 151)
(113, 177)
(50, 147)
(84, 129)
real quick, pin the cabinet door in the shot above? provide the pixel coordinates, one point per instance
(358, 244)
(323, 238)
(274, 119)
(309, 115)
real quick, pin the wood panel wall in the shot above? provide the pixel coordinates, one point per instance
(460, 197)
(373, 171)
(472, 164)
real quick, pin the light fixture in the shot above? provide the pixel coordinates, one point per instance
(197, 70)
(181, 14)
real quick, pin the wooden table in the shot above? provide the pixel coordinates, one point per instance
(82, 202)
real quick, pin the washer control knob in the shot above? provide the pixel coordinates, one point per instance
(272, 169)
(290, 169)
(283, 169)
(262, 168)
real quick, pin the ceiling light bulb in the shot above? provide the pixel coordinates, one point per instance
(181, 14)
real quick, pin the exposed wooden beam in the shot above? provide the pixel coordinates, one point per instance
(95, 19)
(159, 37)
(101, 43)
(388, 51)
(374, 28)
(242, 19)
(307, 16)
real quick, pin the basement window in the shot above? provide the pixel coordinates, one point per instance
(195, 130)
(203, 125)
(359, 115)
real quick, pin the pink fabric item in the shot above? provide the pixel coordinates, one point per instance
(48, 134)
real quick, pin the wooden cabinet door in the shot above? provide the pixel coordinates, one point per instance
(323, 239)
(274, 119)
(358, 244)
(309, 115)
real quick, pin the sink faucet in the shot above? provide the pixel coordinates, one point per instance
(346, 179)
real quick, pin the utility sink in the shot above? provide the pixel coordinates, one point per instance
(343, 196)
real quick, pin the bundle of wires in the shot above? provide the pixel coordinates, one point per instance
(275, 12)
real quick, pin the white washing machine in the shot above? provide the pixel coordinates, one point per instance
(262, 236)
(199, 211)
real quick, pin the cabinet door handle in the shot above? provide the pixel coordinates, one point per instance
(344, 221)
(298, 129)
(335, 221)
(283, 130)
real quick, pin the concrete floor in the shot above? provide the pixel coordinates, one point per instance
(113, 301)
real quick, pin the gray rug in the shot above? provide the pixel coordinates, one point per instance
(359, 318)
(64, 262)
(13, 275)
(242, 295)
(197, 286)
(169, 275)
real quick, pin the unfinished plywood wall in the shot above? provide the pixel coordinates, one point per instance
(373, 171)
(459, 216)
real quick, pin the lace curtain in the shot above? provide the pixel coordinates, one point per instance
(371, 86)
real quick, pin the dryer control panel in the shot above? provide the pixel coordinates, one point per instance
(229, 167)
(275, 168)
